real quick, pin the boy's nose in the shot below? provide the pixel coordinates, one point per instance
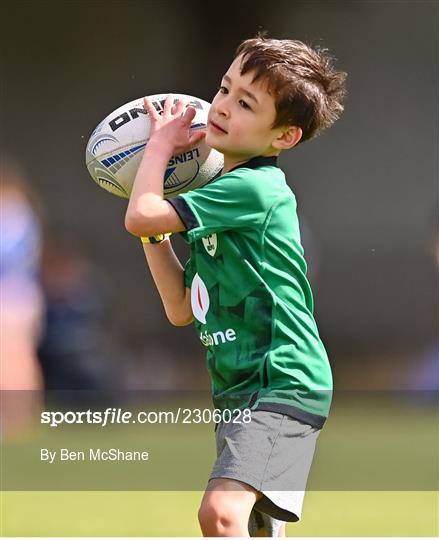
(222, 108)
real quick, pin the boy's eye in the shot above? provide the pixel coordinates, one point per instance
(244, 104)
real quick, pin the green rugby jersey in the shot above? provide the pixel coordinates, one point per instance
(250, 297)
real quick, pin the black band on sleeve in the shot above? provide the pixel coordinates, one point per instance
(184, 212)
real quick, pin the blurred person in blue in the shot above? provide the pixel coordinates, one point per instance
(22, 301)
(78, 349)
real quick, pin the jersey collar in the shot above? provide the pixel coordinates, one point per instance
(258, 161)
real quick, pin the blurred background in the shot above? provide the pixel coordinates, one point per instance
(367, 189)
(79, 307)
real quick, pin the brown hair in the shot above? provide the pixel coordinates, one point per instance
(308, 90)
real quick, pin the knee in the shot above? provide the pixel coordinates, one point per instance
(217, 519)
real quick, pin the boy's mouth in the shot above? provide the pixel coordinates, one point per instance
(217, 128)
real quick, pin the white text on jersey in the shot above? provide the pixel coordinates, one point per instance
(217, 338)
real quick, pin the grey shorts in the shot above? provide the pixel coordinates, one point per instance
(273, 454)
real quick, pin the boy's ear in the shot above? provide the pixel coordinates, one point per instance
(288, 138)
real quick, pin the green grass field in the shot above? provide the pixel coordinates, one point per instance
(375, 474)
(175, 514)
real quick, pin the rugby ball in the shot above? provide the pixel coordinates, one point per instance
(116, 146)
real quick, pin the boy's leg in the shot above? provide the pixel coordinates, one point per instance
(263, 533)
(263, 525)
(226, 507)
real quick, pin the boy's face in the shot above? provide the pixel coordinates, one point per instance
(240, 118)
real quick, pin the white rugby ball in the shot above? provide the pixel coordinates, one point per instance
(116, 146)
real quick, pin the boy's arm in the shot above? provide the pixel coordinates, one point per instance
(168, 275)
(148, 214)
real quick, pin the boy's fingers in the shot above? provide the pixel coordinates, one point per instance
(150, 109)
(179, 107)
(196, 137)
(189, 114)
(169, 101)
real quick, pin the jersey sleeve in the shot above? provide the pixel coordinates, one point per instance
(232, 201)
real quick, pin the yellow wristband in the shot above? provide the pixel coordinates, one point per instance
(158, 239)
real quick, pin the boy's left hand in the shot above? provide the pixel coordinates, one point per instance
(172, 128)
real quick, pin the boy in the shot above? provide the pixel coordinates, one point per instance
(245, 282)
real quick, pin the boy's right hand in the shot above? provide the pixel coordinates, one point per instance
(172, 127)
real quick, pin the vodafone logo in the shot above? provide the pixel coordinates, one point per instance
(200, 303)
(199, 299)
